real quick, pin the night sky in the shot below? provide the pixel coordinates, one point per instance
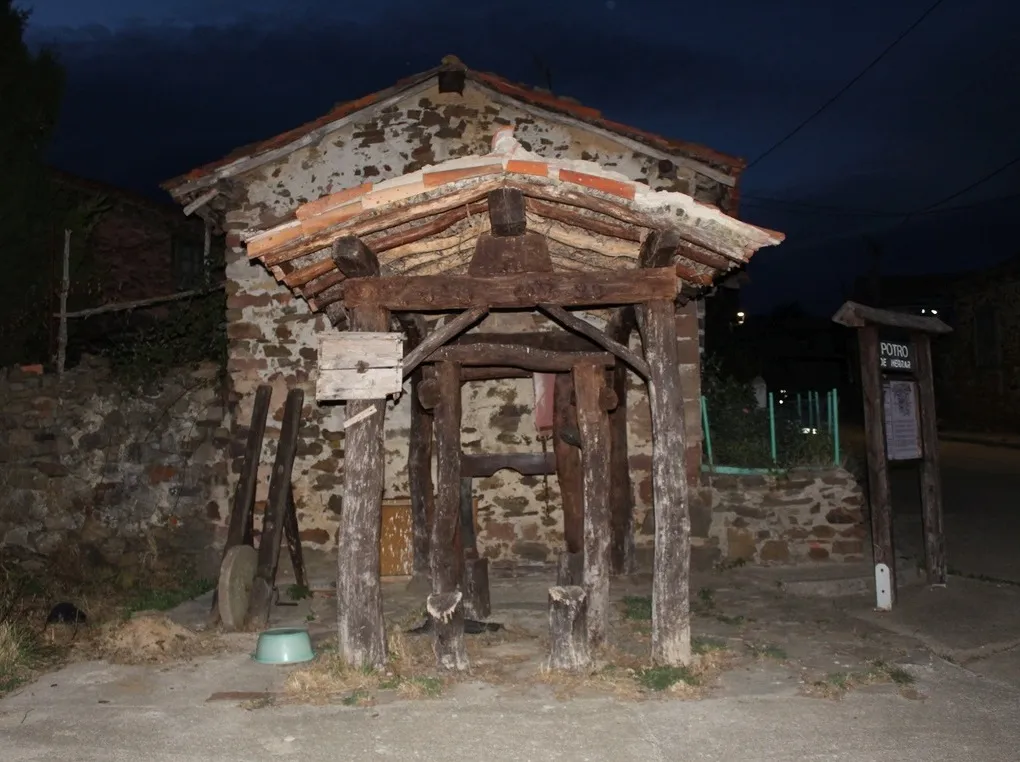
(159, 87)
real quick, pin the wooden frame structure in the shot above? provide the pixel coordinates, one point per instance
(511, 231)
(892, 343)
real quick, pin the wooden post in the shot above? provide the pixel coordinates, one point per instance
(568, 462)
(475, 575)
(568, 635)
(447, 612)
(621, 491)
(276, 512)
(593, 424)
(419, 477)
(931, 480)
(671, 611)
(570, 569)
(878, 473)
(444, 564)
(292, 533)
(362, 633)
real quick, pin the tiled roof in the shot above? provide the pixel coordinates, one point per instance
(524, 93)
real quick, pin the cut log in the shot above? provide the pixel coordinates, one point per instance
(570, 569)
(507, 216)
(568, 635)
(452, 292)
(353, 258)
(659, 248)
(671, 612)
(361, 630)
(477, 602)
(444, 563)
(593, 423)
(525, 253)
(620, 489)
(447, 612)
(515, 355)
(581, 326)
(276, 510)
(444, 333)
(568, 464)
(569, 216)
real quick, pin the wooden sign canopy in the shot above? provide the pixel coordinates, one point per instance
(890, 436)
(360, 365)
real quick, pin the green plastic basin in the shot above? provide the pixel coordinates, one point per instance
(284, 645)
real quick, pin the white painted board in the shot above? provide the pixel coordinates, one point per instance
(359, 366)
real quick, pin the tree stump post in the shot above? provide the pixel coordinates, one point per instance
(593, 424)
(447, 612)
(568, 631)
(361, 630)
(671, 609)
(477, 602)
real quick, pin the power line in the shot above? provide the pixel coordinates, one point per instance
(849, 84)
(972, 186)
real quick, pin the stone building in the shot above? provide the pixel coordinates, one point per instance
(446, 113)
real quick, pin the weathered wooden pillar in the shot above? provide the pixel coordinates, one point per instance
(419, 477)
(621, 491)
(568, 632)
(879, 500)
(593, 424)
(671, 611)
(566, 445)
(931, 487)
(477, 604)
(362, 633)
(447, 612)
(570, 569)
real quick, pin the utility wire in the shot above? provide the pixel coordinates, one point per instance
(849, 84)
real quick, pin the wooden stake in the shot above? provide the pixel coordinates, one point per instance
(621, 491)
(362, 632)
(292, 533)
(931, 486)
(568, 463)
(878, 473)
(444, 565)
(671, 612)
(568, 635)
(593, 424)
(419, 476)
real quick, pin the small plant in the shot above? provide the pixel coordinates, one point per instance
(359, 697)
(637, 608)
(309, 617)
(707, 645)
(166, 598)
(767, 651)
(706, 596)
(663, 678)
(736, 620)
(298, 592)
(426, 686)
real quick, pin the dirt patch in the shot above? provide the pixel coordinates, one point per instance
(149, 637)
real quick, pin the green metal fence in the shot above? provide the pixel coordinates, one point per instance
(788, 432)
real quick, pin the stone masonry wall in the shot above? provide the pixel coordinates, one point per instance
(273, 337)
(127, 478)
(803, 516)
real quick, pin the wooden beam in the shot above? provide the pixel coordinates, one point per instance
(581, 326)
(490, 374)
(444, 564)
(525, 253)
(878, 469)
(435, 339)
(854, 315)
(703, 256)
(593, 424)
(317, 286)
(419, 458)
(659, 249)
(362, 632)
(551, 341)
(568, 216)
(524, 463)
(451, 292)
(353, 258)
(436, 225)
(566, 442)
(201, 201)
(620, 488)
(931, 479)
(515, 355)
(671, 612)
(507, 216)
(581, 238)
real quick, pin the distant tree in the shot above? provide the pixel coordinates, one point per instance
(31, 86)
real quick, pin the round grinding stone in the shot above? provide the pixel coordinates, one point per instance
(236, 576)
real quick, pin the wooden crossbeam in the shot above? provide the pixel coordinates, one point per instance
(580, 325)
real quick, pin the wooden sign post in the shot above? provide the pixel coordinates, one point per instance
(900, 425)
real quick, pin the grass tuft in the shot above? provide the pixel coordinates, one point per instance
(637, 608)
(663, 678)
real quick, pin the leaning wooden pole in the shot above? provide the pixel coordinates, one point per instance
(671, 610)
(362, 634)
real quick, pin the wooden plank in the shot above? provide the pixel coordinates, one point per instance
(593, 424)
(671, 612)
(361, 629)
(357, 349)
(444, 333)
(368, 384)
(931, 480)
(353, 258)
(621, 490)
(276, 509)
(581, 326)
(874, 437)
(524, 463)
(507, 216)
(539, 360)
(566, 442)
(239, 528)
(450, 292)
(854, 315)
(444, 565)
(490, 374)
(292, 533)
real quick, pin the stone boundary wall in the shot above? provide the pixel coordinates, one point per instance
(93, 472)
